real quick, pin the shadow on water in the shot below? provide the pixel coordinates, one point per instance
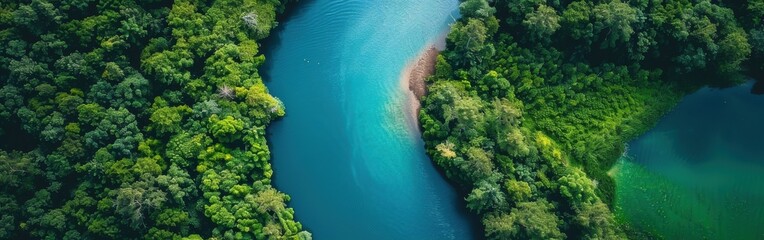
(293, 8)
(461, 193)
(478, 232)
(712, 117)
(273, 41)
(758, 88)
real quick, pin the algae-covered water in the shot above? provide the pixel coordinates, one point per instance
(699, 174)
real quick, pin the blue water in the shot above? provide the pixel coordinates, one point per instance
(699, 174)
(345, 152)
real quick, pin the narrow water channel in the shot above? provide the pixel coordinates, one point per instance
(345, 153)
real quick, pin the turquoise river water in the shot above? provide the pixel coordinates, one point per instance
(345, 152)
(699, 174)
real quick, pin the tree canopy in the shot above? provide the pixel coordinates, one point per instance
(533, 100)
(124, 132)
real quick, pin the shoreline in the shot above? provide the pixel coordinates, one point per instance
(413, 79)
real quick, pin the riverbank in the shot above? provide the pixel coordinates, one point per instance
(416, 73)
(413, 79)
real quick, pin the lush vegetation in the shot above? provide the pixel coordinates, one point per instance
(137, 119)
(534, 100)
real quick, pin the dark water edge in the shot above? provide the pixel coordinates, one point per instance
(758, 88)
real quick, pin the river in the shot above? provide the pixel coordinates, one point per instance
(344, 152)
(699, 174)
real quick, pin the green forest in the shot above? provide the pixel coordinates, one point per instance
(137, 120)
(126, 119)
(534, 100)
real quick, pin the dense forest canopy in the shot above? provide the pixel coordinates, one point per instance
(146, 119)
(137, 119)
(533, 100)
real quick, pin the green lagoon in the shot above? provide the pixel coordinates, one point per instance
(699, 174)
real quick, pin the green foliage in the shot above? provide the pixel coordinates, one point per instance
(598, 222)
(500, 227)
(470, 44)
(529, 220)
(487, 196)
(123, 133)
(519, 191)
(536, 220)
(613, 22)
(734, 50)
(543, 22)
(531, 104)
(167, 120)
(576, 187)
(476, 9)
(227, 129)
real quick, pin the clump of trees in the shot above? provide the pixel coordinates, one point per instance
(750, 15)
(137, 119)
(533, 100)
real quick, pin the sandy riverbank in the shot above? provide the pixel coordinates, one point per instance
(412, 80)
(418, 71)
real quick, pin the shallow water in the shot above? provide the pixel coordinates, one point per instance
(344, 152)
(700, 172)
